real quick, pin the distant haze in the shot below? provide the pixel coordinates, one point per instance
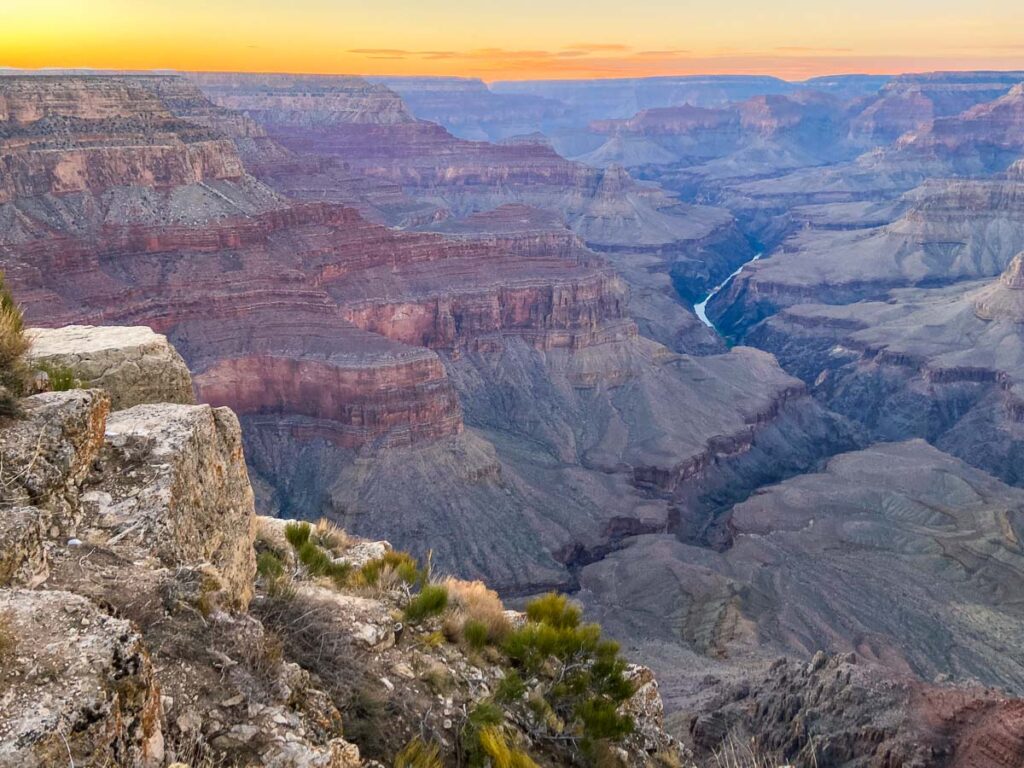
(516, 40)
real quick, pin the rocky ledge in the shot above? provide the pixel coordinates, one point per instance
(134, 364)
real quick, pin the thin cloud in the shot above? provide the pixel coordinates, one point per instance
(597, 47)
(810, 49)
(662, 54)
(381, 51)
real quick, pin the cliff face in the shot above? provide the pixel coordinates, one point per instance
(910, 103)
(107, 132)
(429, 164)
(983, 139)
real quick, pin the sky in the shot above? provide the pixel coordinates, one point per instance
(516, 39)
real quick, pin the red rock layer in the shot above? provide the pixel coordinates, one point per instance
(307, 311)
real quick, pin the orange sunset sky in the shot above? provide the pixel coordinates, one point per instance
(516, 39)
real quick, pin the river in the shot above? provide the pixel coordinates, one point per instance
(701, 309)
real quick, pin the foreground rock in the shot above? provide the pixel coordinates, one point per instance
(133, 365)
(76, 686)
(173, 483)
(45, 458)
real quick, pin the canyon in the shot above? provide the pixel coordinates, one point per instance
(463, 317)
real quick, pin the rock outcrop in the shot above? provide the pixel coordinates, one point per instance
(133, 365)
(188, 498)
(45, 458)
(76, 685)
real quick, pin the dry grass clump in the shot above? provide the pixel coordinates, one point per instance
(419, 754)
(13, 346)
(330, 536)
(392, 570)
(477, 617)
(736, 754)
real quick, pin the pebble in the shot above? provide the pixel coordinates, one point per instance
(72, 543)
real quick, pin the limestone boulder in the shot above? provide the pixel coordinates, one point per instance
(76, 686)
(44, 458)
(173, 484)
(133, 364)
(49, 452)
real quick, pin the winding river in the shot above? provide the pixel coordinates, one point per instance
(701, 309)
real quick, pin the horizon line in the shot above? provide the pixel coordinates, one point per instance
(6, 70)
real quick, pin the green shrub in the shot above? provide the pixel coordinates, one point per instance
(269, 566)
(431, 601)
(511, 688)
(315, 559)
(591, 684)
(318, 563)
(475, 633)
(486, 714)
(339, 573)
(61, 377)
(601, 720)
(419, 754)
(554, 610)
(297, 534)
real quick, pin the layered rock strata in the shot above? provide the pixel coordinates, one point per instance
(351, 351)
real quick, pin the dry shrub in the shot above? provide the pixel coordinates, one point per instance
(13, 346)
(734, 753)
(331, 537)
(419, 754)
(476, 607)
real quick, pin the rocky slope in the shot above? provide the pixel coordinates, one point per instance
(942, 364)
(898, 555)
(949, 230)
(145, 638)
